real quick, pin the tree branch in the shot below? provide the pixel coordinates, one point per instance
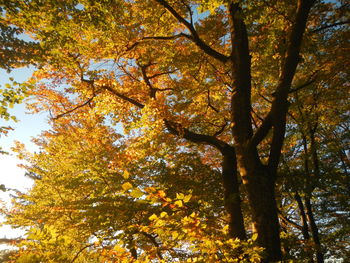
(159, 38)
(123, 97)
(280, 103)
(195, 37)
(241, 67)
(162, 73)
(221, 129)
(155, 243)
(178, 130)
(167, 37)
(74, 109)
(209, 103)
(307, 83)
(330, 26)
(148, 82)
(288, 221)
(10, 240)
(262, 131)
(80, 251)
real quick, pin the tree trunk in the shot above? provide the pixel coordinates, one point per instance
(258, 178)
(260, 185)
(305, 227)
(317, 175)
(261, 195)
(304, 224)
(314, 231)
(231, 195)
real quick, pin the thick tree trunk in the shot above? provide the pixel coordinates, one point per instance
(261, 195)
(231, 195)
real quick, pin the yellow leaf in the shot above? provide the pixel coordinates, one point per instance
(126, 174)
(187, 198)
(174, 234)
(126, 186)
(178, 203)
(163, 214)
(160, 223)
(153, 217)
(180, 196)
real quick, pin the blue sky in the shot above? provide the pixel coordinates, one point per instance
(29, 126)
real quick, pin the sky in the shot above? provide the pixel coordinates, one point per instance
(29, 126)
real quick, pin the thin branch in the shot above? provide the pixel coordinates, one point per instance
(162, 73)
(154, 241)
(288, 221)
(121, 67)
(189, 11)
(158, 38)
(123, 97)
(74, 109)
(165, 89)
(220, 73)
(257, 115)
(195, 37)
(221, 130)
(132, 46)
(209, 103)
(167, 37)
(80, 251)
(148, 82)
(307, 83)
(330, 26)
(10, 240)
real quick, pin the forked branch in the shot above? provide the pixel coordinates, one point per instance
(194, 35)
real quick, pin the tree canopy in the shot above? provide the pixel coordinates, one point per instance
(186, 131)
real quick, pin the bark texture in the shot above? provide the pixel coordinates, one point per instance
(231, 194)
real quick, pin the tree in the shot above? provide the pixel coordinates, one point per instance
(92, 213)
(217, 74)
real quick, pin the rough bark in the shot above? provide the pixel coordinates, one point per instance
(261, 194)
(256, 176)
(231, 194)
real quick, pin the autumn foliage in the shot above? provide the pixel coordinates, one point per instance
(186, 131)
